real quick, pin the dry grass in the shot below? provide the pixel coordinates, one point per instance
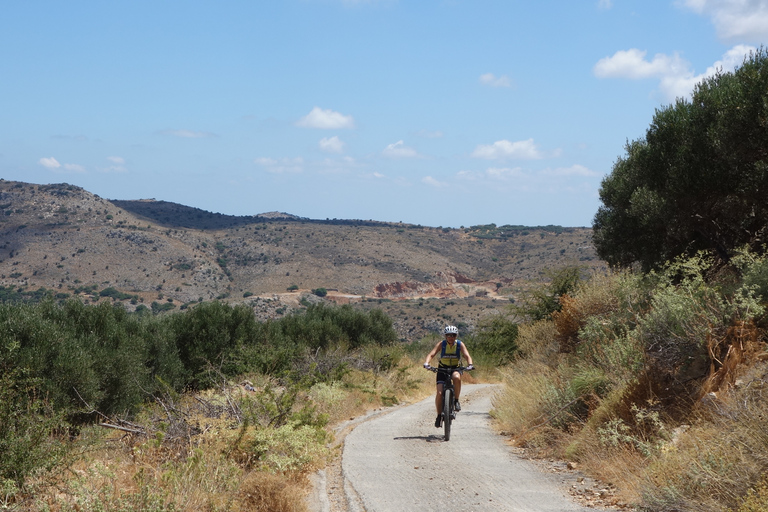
(621, 466)
(537, 342)
(706, 451)
(222, 464)
(518, 407)
(714, 463)
(709, 465)
(263, 492)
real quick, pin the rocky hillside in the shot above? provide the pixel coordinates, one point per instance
(66, 240)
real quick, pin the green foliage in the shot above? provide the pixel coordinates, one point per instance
(698, 179)
(320, 292)
(496, 340)
(321, 326)
(116, 294)
(510, 231)
(70, 359)
(756, 499)
(275, 406)
(289, 448)
(540, 303)
(207, 335)
(27, 424)
(637, 353)
(95, 355)
(161, 308)
(13, 294)
(648, 439)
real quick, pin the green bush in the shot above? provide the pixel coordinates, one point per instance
(207, 335)
(540, 303)
(115, 294)
(27, 424)
(496, 340)
(89, 357)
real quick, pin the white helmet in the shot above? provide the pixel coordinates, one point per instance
(451, 329)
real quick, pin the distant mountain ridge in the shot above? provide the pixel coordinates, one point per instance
(63, 238)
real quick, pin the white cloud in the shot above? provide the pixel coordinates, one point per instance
(493, 173)
(504, 149)
(399, 150)
(332, 144)
(735, 20)
(632, 64)
(54, 165)
(49, 163)
(574, 170)
(676, 78)
(74, 168)
(189, 134)
(282, 165)
(432, 182)
(517, 178)
(493, 81)
(326, 119)
(605, 4)
(503, 173)
(343, 165)
(119, 165)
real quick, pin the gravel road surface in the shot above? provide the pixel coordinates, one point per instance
(400, 462)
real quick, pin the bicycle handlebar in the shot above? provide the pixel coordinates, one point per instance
(458, 368)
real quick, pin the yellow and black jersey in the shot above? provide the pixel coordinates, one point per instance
(450, 355)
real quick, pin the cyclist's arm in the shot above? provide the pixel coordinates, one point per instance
(433, 353)
(466, 355)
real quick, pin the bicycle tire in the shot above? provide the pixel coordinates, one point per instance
(447, 412)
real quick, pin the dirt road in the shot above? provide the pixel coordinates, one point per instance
(399, 462)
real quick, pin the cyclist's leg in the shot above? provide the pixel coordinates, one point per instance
(439, 398)
(456, 385)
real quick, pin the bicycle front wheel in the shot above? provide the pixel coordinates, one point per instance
(447, 412)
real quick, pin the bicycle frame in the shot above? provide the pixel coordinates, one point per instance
(449, 413)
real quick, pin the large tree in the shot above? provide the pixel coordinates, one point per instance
(699, 178)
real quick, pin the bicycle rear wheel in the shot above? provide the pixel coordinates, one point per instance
(447, 412)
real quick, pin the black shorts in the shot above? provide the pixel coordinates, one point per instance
(445, 373)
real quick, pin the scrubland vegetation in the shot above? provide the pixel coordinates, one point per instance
(651, 382)
(655, 383)
(204, 409)
(652, 378)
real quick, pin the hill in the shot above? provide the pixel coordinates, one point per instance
(64, 239)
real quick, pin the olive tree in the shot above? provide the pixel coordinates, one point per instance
(699, 178)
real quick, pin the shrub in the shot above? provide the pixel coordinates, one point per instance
(115, 294)
(496, 340)
(27, 424)
(540, 303)
(207, 335)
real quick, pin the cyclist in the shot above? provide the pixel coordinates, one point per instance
(451, 351)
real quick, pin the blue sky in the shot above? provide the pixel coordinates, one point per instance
(441, 113)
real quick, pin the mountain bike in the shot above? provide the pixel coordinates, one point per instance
(449, 412)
